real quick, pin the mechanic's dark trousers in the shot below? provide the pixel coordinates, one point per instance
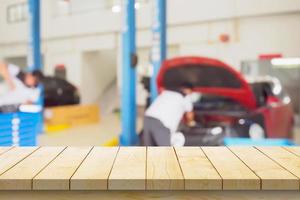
(155, 133)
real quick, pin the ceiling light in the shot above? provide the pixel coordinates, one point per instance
(137, 5)
(116, 9)
(285, 61)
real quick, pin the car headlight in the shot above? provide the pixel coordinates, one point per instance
(256, 131)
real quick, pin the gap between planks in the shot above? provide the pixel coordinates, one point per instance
(286, 157)
(272, 175)
(14, 156)
(20, 176)
(5, 149)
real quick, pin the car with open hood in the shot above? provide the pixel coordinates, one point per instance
(230, 105)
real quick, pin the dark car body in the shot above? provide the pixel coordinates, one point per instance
(230, 105)
(58, 92)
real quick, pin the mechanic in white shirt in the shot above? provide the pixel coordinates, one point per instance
(164, 115)
(22, 85)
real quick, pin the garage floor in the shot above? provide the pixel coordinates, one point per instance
(108, 129)
(99, 134)
(88, 135)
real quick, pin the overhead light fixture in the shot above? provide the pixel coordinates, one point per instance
(285, 61)
(116, 9)
(137, 5)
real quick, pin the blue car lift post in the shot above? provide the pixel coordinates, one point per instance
(128, 94)
(34, 55)
(34, 45)
(159, 42)
(129, 135)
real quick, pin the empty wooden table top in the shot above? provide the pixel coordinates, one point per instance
(149, 168)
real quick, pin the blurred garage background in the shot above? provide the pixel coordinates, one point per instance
(81, 54)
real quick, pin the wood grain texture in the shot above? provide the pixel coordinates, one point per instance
(286, 159)
(236, 175)
(94, 171)
(14, 156)
(57, 174)
(5, 149)
(149, 168)
(198, 172)
(129, 170)
(273, 176)
(20, 176)
(163, 169)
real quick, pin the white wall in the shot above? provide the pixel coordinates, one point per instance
(250, 37)
(194, 27)
(98, 73)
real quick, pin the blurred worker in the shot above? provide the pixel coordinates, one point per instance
(163, 117)
(22, 85)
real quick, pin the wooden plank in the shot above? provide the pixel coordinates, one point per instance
(94, 171)
(129, 169)
(294, 150)
(236, 175)
(57, 174)
(4, 149)
(155, 168)
(20, 176)
(163, 169)
(273, 176)
(284, 158)
(14, 156)
(198, 172)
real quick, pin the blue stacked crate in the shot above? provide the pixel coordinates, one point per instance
(20, 129)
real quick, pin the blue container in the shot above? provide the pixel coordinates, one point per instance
(259, 142)
(20, 129)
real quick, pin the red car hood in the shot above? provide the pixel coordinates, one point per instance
(209, 76)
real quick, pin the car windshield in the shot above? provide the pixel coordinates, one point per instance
(200, 76)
